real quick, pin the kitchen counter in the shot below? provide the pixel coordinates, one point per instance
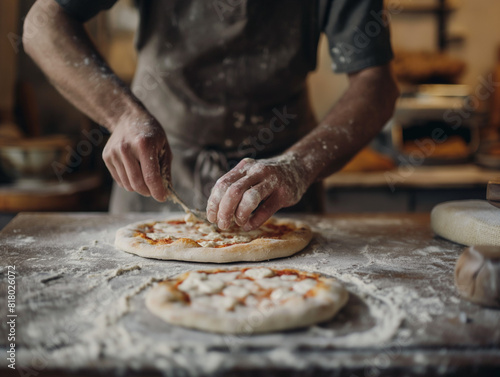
(406, 189)
(445, 176)
(80, 305)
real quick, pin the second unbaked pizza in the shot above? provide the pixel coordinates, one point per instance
(246, 300)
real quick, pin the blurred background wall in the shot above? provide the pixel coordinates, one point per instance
(473, 27)
(472, 24)
(435, 41)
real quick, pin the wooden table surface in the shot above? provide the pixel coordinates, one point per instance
(80, 305)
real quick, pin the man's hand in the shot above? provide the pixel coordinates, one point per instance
(137, 150)
(255, 189)
(137, 153)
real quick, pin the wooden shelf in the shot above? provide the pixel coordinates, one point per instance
(440, 9)
(71, 195)
(427, 9)
(422, 177)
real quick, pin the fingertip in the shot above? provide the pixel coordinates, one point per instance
(211, 216)
(223, 224)
(247, 227)
(160, 197)
(144, 191)
(260, 217)
(163, 198)
(212, 208)
(158, 191)
(239, 221)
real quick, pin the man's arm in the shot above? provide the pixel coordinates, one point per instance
(61, 47)
(351, 124)
(255, 189)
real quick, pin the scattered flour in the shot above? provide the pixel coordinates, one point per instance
(99, 295)
(23, 240)
(121, 270)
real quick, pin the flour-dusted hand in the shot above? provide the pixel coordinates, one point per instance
(255, 189)
(135, 155)
(62, 48)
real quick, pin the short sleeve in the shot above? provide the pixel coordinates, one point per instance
(358, 33)
(84, 10)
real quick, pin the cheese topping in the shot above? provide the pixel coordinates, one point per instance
(235, 291)
(197, 284)
(157, 236)
(207, 235)
(257, 287)
(304, 286)
(259, 273)
(224, 276)
(274, 282)
(220, 303)
(281, 294)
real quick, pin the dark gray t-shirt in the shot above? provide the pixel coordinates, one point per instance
(227, 78)
(357, 31)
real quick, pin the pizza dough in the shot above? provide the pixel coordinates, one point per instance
(477, 275)
(246, 300)
(195, 241)
(468, 222)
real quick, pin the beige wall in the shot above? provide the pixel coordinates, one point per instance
(325, 87)
(477, 20)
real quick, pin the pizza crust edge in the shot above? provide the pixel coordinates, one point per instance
(183, 250)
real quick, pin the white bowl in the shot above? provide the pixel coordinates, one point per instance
(34, 158)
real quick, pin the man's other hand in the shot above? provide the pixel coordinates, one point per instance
(137, 153)
(255, 189)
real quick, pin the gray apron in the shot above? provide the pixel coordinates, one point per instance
(226, 79)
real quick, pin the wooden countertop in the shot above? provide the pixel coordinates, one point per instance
(81, 308)
(452, 176)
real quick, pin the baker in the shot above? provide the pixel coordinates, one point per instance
(219, 99)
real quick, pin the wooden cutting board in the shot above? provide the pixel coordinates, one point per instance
(467, 222)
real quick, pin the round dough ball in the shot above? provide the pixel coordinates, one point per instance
(477, 275)
(468, 222)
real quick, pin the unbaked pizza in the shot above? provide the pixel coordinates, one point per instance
(189, 239)
(246, 300)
